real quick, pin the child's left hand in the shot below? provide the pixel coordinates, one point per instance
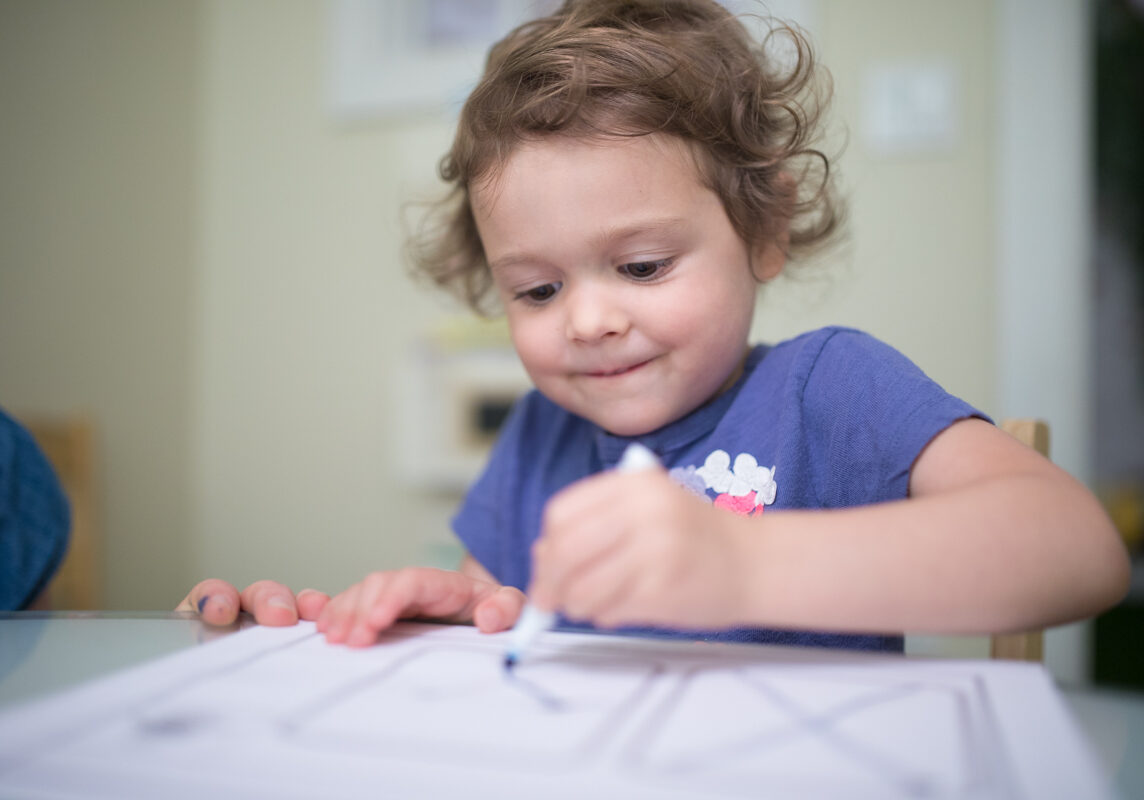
(356, 616)
(636, 548)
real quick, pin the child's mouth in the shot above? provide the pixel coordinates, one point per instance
(614, 372)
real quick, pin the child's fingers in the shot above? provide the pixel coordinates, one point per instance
(271, 602)
(414, 592)
(215, 601)
(310, 603)
(590, 524)
(499, 611)
(336, 619)
(600, 586)
(557, 564)
(356, 616)
(374, 610)
(582, 524)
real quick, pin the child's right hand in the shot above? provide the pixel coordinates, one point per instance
(356, 616)
(219, 603)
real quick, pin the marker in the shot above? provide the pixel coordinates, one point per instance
(533, 621)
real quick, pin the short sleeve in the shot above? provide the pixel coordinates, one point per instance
(870, 412)
(488, 522)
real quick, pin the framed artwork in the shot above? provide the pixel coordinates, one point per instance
(400, 56)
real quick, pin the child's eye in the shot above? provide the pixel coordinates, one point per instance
(539, 295)
(645, 270)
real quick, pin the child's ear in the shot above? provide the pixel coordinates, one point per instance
(768, 259)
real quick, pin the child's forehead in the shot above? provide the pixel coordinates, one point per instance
(533, 157)
(590, 193)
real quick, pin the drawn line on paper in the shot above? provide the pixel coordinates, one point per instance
(395, 677)
(547, 700)
(594, 723)
(978, 740)
(593, 720)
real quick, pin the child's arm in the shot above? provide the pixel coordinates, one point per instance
(993, 538)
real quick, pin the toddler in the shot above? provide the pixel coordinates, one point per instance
(624, 178)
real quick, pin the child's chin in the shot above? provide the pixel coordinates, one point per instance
(627, 425)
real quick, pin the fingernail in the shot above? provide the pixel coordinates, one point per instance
(203, 602)
(280, 602)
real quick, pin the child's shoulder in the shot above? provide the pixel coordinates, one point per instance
(831, 344)
(838, 360)
(831, 336)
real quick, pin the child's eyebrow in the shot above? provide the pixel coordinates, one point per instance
(655, 225)
(513, 259)
(610, 236)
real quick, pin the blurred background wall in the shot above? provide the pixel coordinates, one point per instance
(203, 258)
(99, 209)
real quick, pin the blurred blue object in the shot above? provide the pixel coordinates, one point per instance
(35, 518)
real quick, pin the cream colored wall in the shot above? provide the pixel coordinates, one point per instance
(303, 313)
(97, 206)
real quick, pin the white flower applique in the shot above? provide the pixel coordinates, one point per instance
(744, 488)
(689, 478)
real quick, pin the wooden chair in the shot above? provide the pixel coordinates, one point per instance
(1027, 646)
(68, 443)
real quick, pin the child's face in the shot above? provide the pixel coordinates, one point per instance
(628, 293)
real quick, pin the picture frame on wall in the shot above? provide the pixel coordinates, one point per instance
(390, 57)
(400, 56)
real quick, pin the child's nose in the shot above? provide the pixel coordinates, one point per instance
(593, 314)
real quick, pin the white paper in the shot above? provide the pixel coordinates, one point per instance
(278, 713)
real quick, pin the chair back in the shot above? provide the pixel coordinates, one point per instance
(68, 443)
(1029, 645)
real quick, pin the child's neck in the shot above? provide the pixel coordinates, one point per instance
(733, 378)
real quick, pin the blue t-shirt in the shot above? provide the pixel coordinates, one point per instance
(830, 419)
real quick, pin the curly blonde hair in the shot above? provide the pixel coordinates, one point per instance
(613, 68)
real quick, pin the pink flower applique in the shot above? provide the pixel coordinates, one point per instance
(744, 505)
